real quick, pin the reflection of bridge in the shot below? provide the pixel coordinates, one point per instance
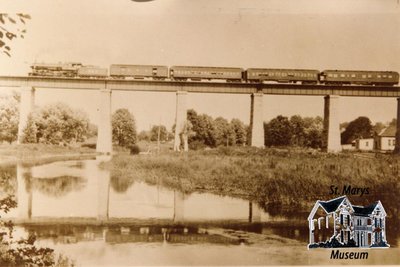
(48, 200)
(135, 234)
(257, 91)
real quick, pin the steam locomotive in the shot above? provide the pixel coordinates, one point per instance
(196, 73)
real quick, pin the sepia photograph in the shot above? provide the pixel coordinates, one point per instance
(199, 133)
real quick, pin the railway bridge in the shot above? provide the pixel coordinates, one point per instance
(105, 87)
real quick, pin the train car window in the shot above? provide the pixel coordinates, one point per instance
(390, 76)
(342, 75)
(369, 75)
(379, 76)
(384, 76)
(364, 76)
(335, 75)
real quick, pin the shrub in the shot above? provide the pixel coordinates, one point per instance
(134, 149)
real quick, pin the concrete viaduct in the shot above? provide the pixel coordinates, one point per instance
(331, 94)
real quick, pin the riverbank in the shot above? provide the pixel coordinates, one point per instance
(289, 177)
(33, 154)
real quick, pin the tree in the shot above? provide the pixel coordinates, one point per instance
(144, 136)
(163, 133)
(202, 127)
(278, 132)
(298, 130)
(240, 132)
(11, 26)
(30, 133)
(123, 128)
(223, 132)
(358, 128)
(56, 124)
(9, 117)
(313, 128)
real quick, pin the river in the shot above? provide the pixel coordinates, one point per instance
(77, 209)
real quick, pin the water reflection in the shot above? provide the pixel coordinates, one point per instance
(80, 189)
(76, 192)
(68, 234)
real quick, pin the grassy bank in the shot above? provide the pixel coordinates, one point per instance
(269, 176)
(40, 153)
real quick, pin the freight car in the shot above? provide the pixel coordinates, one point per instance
(55, 69)
(340, 77)
(184, 73)
(92, 72)
(254, 75)
(155, 72)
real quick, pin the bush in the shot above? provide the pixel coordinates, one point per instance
(197, 145)
(134, 149)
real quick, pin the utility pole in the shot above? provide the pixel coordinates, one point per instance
(158, 136)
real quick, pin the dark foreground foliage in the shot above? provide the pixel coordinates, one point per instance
(23, 251)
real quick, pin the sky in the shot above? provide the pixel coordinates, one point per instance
(330, 34)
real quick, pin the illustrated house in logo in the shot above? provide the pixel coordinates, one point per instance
(338, 223)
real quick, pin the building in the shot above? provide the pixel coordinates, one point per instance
(366, 144)
(338, 223)
(386, 139)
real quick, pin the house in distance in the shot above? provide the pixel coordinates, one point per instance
(337, 223)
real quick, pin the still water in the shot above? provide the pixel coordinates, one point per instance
(82, 212)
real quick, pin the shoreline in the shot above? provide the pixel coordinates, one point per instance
(37, 154)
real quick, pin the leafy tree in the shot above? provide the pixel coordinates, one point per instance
(163, 133)
(9, 116)
(203, 128)
(278, 132)
(30, 133)
(240, 132)
(144, 136)
(358, 128)
(222, 132)
(56, 124)
(123, 128)
(313, 128)
(11, 26)
(298, 130)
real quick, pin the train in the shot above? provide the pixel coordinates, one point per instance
(225, 74)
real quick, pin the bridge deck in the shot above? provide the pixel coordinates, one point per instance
(199, 86)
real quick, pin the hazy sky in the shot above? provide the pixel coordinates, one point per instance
(342, 34)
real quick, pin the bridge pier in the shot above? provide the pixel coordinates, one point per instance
(25, 108)
(24, 192)
(180, 121)
(103, 191)
(104, 132)
(331, 132)
(179, 206)
(397, 142)
(254, 213)
(256, 120)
